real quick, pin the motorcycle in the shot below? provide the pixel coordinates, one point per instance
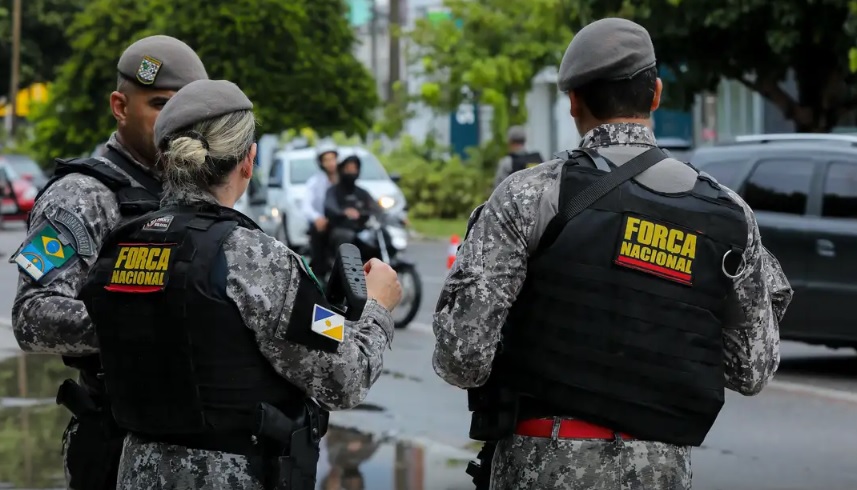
(385, 237)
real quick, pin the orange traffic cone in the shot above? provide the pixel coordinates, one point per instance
(454, 242)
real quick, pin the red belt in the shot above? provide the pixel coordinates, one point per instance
(568, 429)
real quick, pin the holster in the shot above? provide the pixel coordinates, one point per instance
(495, 413)
(95, 446)
(291, 446)
(481, 470)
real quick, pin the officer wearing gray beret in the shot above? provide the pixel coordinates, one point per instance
(238, 317)
(84, 200)
(604, 278)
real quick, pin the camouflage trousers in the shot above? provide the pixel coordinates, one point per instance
(155, 466)
(525, 463)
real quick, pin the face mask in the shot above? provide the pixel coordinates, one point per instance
(349, 181)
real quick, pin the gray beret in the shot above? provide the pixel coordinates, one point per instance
(516, 134)
(607, 49)
(161, 63)
(197, 102)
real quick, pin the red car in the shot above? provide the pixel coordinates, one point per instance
(17, 191)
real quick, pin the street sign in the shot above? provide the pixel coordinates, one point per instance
(464, 124)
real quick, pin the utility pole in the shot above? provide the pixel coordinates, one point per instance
(16, 62)
(394, 25)
(373, 36)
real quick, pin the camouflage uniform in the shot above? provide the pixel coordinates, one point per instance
(47, 317)
(263, 282)
(488, 275)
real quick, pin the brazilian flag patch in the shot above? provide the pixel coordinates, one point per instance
(45, 251)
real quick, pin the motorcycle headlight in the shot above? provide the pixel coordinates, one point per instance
(399, 242)
(386, 202)
(275, 212)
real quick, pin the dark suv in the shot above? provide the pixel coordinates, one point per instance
(803, 189)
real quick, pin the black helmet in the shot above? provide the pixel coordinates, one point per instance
(349, 158)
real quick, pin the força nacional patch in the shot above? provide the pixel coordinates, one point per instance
(328, 323)
(657, 248)
(141, 268)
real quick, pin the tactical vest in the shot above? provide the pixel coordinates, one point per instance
(619, 321)
(180, 365)
(520, 161)
(133, 201)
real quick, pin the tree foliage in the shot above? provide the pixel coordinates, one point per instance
(44, 45)
(758, 43)
(293, 59)
(497, 47)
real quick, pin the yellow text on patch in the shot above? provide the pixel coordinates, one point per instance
(143, 258)
(658, 244)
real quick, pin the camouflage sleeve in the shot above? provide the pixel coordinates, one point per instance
(46, 317)
(751, 335)
(263, 281)
(485, 280)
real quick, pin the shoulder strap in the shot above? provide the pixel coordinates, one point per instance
(148, 182)
(598, 189)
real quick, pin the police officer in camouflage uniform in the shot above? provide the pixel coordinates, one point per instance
(84, 200)
(518, 157)
(213, 335)
(602, 323)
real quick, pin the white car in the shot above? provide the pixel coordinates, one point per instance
(287, 179)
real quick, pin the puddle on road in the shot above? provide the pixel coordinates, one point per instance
(31, 426)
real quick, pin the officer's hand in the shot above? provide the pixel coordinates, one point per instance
(321, 223)
(352, 213)
(382, 284)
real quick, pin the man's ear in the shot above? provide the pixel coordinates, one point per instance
(656, 101)
(119, 106)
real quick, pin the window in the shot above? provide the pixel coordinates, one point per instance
(724, 171)
(840, 191)
(780, 186)
(301, 169)
(275, 178)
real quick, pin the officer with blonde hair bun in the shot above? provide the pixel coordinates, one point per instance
(207, 325)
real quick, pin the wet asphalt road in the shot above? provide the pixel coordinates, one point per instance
(799, 434)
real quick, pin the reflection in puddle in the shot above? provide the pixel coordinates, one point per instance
(31, 427)
(31, 424)
(352, 460)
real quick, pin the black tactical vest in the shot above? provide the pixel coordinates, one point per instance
(179, 362)
(520, 161)
(619, 321)
(133, 201)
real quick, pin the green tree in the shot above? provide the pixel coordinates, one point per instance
(44, 45)
(493, 47)
(292, 57)
(77, 117)
(758, 43)
(499, 45)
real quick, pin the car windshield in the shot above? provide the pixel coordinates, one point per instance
(301, 169)
(23, 165)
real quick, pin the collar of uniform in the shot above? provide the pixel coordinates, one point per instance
(173, 197)
(115, 144)
(618, 134)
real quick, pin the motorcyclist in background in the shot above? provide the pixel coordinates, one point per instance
(313, 207)
(347, 206)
